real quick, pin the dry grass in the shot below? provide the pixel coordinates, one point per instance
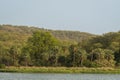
(60, 70)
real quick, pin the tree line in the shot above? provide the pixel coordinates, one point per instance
(43, 49)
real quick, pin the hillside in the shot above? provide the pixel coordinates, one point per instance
(19, 34)
(32, 46)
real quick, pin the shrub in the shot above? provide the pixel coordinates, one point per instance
(2, 66)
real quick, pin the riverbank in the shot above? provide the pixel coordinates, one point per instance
(60, 70)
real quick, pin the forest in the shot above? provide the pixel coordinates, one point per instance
(33, 46)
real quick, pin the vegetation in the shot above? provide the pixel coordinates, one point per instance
(105, 70)
(30, 46)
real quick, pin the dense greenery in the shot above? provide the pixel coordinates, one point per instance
(30, 46)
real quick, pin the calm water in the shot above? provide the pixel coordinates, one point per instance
(44, 76)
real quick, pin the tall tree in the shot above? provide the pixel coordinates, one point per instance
(14, 53)
(72, 56)
(81, 56)
(39, 44)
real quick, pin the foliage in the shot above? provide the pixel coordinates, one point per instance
(2, 66)
(31, 46)
(105, 70)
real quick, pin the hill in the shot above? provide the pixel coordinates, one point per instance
(33, 46)
(11, 35)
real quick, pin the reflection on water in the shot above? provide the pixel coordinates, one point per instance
(49, 76)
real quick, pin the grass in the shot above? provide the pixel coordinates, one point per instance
(61, 70)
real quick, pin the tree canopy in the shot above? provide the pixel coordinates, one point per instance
(30, 46)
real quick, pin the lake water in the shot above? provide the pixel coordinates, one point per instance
(49, 76)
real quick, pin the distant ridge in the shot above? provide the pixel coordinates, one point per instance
(11, 34)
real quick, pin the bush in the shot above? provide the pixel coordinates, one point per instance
(87, 63)
(2, 66)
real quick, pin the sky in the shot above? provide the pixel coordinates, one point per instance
(93, 16)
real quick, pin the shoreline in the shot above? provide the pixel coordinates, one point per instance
(103, 70)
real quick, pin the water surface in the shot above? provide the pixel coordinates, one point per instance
(51, 76)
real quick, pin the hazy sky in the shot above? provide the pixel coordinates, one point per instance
(94, 16)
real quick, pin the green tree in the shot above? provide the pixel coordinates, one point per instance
(40, 43)
(102, 58)
(54, 55)
(77, 55)
(25, 59)
(109, 56)
(72, 56)
(14, 53)
(97, 54)
(4, 55)
(81, 57)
